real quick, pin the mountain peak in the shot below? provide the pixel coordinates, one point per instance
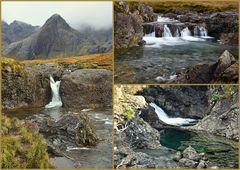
(56, 20)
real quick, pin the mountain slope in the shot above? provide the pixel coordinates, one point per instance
(16, 31)
(54, 39)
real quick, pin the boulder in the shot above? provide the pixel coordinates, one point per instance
(190, 153)
(177, 156)
(87, 88)
(225, 70)
(140, 135)
(187, 163)
(71, 128)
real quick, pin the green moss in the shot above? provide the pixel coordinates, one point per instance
(227, 93)
(22, 148)
(128, 114)
(9, 64)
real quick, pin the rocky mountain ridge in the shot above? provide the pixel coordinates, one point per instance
(55, 39)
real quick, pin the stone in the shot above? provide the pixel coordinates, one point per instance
(72, 128)
(87, 88)
(177, 156)
(202, 164)
(184, 162)
(190, 153)
(224, 61)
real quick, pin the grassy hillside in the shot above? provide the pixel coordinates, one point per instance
(198, 6)
(89, 61)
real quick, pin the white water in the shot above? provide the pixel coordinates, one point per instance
(176, 121)
(56, 99)
(180, 37)
(167, 32)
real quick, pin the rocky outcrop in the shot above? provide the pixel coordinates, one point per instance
(178, 101)
(222, 118)
(71, 128)
(21, 87)
(86, 88)
(138, 134)
(189, 158)
(126, 102)
(128, 29)
(132, 132)
(225, 70)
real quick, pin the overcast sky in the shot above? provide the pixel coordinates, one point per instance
(97, 14)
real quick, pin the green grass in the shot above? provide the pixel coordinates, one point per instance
(22, 148)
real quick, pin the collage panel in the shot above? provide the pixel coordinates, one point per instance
(56, 85)
(179, 42)
(163, 126)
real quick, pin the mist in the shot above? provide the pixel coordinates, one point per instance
(97, 15)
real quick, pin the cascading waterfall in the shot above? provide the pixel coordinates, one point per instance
(177, 33)
(167, 32)
(56, 99)
(200, 31)
(185, 32)
(177, 121)
(203, 31)
(170, 38)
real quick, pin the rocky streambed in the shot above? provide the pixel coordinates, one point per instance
(86, 147)
(170, 47)
(147, 140)
(77, 132)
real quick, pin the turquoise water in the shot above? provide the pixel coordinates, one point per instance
(220, 151)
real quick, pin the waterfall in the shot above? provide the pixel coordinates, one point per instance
(177, 33)
(177, 121)
(185, 32)
(56, 100)
(203, 31)
(200, 31)
(166, 31)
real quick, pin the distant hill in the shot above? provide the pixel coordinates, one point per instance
(16, 31)
(57, 39)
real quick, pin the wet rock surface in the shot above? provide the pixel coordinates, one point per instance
(225, 70)
(177, 101)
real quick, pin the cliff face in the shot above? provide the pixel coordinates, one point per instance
(222, 118)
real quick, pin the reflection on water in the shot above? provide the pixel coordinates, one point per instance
(144, 64)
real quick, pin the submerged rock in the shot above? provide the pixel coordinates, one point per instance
(86, 88)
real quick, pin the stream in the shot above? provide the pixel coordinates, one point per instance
(162, 57)
(99, 156)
